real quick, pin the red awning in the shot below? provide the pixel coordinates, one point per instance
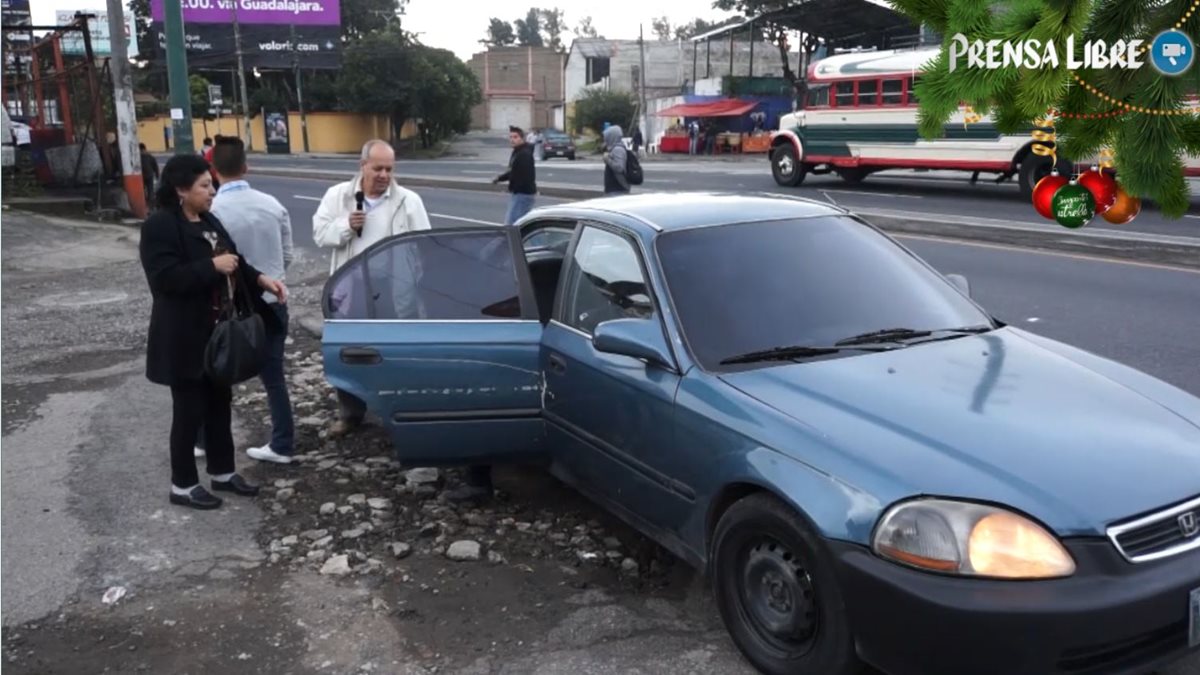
(729, 107)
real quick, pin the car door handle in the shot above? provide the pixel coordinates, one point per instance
(360, 356)
(557, 365)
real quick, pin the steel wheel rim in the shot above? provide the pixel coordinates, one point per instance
(776, 595)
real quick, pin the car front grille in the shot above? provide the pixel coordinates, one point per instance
(1159, 535)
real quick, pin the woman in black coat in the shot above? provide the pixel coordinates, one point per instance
(190, 261)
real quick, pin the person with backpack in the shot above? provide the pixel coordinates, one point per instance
(621, 167)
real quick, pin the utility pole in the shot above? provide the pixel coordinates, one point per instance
(299, 90)
(647, 131)
(177, 75)
(127, 138)
(241, 72)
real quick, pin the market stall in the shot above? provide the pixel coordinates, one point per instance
(676, 138)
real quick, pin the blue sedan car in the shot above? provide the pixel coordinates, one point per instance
(868, 466)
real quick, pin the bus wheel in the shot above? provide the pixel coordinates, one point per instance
(852, 175)
(786, 167)
(1034, 168)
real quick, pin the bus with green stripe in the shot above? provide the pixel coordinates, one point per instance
(860, 116)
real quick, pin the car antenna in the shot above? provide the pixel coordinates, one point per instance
(830, 199)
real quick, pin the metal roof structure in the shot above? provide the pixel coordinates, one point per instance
(837, 22)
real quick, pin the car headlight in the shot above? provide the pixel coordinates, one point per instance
(971, 540)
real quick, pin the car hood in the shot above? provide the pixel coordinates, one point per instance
(1075, 440)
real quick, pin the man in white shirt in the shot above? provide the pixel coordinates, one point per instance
(387, 210)
(262, 229)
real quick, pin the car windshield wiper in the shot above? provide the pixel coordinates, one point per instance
(902, 334)
(790, 353)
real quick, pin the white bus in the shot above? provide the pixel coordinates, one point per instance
(861, 116)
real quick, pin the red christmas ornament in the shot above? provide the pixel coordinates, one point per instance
(1043, 193)
(1102, 187)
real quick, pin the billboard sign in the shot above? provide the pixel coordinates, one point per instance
(21, 6)
(257, 12)
(267, 28)
(72, 43)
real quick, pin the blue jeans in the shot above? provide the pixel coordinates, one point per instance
(283, 427)
(518, 205)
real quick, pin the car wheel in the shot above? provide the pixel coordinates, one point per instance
(1034, 168)
(777, 593)
(571, 156)
(786, 166)
(852, 175)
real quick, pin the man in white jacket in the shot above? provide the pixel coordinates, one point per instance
(387, 210)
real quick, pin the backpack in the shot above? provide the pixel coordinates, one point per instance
(633, 169)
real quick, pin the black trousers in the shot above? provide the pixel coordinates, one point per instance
(206, 404)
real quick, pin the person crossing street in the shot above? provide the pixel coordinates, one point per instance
(521, 176)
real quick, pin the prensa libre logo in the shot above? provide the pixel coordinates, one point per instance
(1035, 54)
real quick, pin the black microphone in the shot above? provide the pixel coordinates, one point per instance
(359, 197)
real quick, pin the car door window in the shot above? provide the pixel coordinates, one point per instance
(606, 282)
(439, 275)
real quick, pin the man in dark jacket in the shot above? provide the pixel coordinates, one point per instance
(149, 172)
(521, 177)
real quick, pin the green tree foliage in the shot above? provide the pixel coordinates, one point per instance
(553, 27)
(363, 17)
(198, 91)
(662, 28)
(585, 29)
(1148, 148)
(499, 34)
(529, 29)
(390, 74)
(597, 106)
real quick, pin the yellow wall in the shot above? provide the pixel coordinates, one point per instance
(327, 132)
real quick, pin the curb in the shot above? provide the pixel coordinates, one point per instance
(1138, 247)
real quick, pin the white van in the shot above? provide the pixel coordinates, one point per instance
(861, 117)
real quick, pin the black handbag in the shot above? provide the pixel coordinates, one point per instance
(238, 348)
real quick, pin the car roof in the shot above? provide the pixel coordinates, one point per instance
(666, 211)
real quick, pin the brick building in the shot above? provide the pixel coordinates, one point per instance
(521, 86)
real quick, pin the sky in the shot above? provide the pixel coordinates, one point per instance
(466, 22)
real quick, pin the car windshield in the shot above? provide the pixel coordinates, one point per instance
(813, 282)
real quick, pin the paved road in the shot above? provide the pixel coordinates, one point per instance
(1136, 313)
(931, 192)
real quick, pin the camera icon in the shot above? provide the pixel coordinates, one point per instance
(1172, 53)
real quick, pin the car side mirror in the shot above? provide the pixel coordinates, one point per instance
(961, 283)
(638, 338)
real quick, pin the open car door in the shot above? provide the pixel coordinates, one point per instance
(437, 332)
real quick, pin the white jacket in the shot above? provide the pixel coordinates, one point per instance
(402, 211)
(396, 278)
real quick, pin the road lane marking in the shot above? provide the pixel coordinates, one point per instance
(1193, 217)
(865, 192)
(462, 219)
(311, 199)
(1057, 254)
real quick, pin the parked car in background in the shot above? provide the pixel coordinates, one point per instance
(556, 144)
(867, 465)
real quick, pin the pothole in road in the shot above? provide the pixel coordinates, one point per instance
(82, 298)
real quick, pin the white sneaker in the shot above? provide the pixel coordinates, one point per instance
(266, 454)
(200, 452)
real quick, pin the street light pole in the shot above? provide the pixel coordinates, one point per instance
(177, 76)
(241, 71)
(299, 90)
(127, 137)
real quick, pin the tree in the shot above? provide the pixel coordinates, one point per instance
(585, 28)
(529, 29)
(198, 91)
(662, 28)
(389, 73)
(363, 17)
(1147, 146)
(499, 34)
(553, 26)
(597, 106)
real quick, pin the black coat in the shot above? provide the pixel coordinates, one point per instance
(521, 174)
(179, 269)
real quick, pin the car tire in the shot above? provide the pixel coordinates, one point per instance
(852, 175)
(786, 166)
(777, 592)
(571, 156)
(1034, 168)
